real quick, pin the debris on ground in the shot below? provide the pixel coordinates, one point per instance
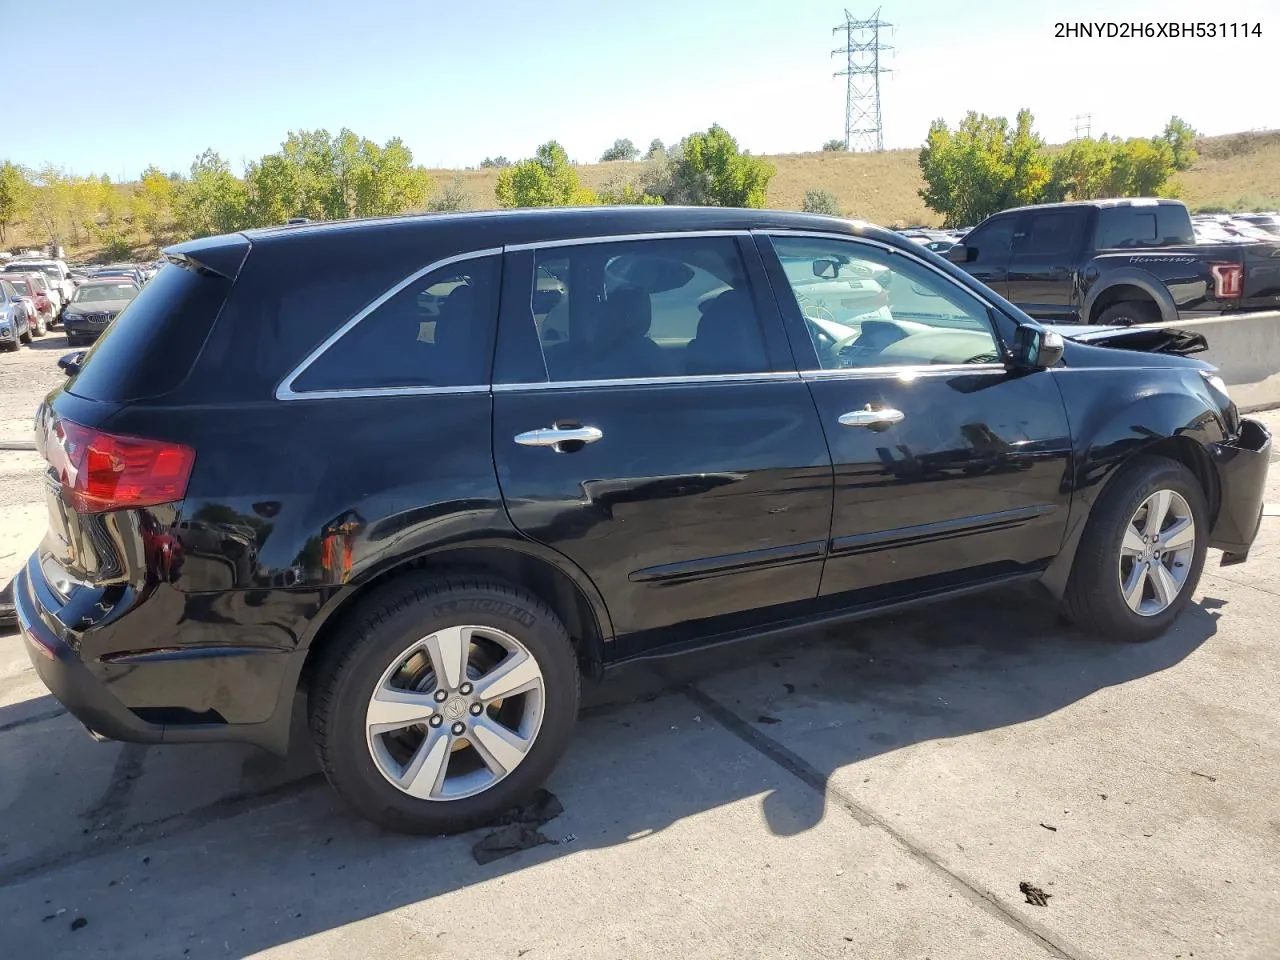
(791, 687)
(1197, 773)
(1035, 896)
(765, 718)
(1047, 827)
(518, 829)
(79, 923)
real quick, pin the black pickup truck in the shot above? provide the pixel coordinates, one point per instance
(1116, 262)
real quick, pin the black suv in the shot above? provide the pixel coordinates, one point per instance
(432, 470)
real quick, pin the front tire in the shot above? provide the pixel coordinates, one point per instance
(1128, 313)
(1142, 552)
(445, 702)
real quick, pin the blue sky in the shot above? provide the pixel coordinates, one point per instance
(133, 83)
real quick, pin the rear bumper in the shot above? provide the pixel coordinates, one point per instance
(90, 699)
(67, 678)
(1241, 465)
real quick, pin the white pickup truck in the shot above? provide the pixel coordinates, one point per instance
(61, 286)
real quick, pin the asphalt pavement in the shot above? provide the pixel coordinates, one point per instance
(973, 780)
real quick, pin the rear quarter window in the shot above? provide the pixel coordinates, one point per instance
(150, 347)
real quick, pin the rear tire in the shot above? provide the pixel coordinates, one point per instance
(1115, 550)
(379, 772)
(25, 337)
(1128, 313)
(40, 328)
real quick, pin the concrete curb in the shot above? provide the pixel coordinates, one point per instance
(17, 445)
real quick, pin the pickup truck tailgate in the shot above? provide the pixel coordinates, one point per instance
(1262, 272)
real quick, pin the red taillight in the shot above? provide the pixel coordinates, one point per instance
(102, 471)
(1228, 280)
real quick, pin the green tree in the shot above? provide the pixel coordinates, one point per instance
(832, 146)
(501, 162)
(821, 201)
(50, 201)
(385, 180)
(707, 169)
(657, 149)
(15, 197)
(1081, 170)
(546, 180)
(212, 200)
(152, 204)
(1180, 136)
(983, 166)
(621, 150)
(622, 191)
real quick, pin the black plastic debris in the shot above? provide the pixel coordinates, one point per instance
(1035, 896)
(518, 829)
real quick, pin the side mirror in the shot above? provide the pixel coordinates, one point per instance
(826, 269)
(959, 253)
(70, 362)
(1038, 348)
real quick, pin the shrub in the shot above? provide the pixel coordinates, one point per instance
(821, 201)
(832, 146)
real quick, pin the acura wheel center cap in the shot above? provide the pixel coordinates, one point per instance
(456, 708)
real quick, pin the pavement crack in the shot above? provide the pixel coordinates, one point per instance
(139, 833)
(52, 714)
(804, 771)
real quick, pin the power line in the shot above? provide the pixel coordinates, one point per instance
(862, 48)
(1083, 121)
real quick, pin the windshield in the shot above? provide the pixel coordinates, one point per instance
(101, 292)
(22, 286)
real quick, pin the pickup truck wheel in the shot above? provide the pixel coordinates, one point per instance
(1129, 312)
(1140, 558)
(447, 702)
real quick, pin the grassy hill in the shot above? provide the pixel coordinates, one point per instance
(1237, 171)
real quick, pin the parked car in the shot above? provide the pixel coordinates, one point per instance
(40, 310)
(15, 318)
(95, 304)
(56, 271)
(127, 270)
(1116, 261)
(280, 472)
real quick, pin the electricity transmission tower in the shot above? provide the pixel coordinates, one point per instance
(862, 49)
(1083, 121)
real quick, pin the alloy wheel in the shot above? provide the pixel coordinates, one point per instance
(455, 712)
(1156, 553)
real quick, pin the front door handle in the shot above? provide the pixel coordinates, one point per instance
(554, 436)
(871, 418)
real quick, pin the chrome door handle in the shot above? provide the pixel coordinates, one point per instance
(871, 418)
(554, 436)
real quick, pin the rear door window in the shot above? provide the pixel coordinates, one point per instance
(1053, 234)
(1121, 227)
(434, 331)
(650, 308)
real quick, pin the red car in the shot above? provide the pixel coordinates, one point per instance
(35, 288)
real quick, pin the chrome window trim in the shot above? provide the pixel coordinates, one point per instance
(285, 391)
(678, 380)
(906, 373)
(624, 238)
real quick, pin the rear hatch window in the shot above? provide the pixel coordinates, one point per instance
(149, 349)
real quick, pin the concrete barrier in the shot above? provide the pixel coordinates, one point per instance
(1245, 347)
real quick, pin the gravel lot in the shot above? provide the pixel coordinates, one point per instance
(887, 790)
(25, 378)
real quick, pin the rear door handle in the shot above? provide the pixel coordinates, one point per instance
(554, 436)
(871, 418)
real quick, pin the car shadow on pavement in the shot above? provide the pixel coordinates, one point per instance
(223, 841)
